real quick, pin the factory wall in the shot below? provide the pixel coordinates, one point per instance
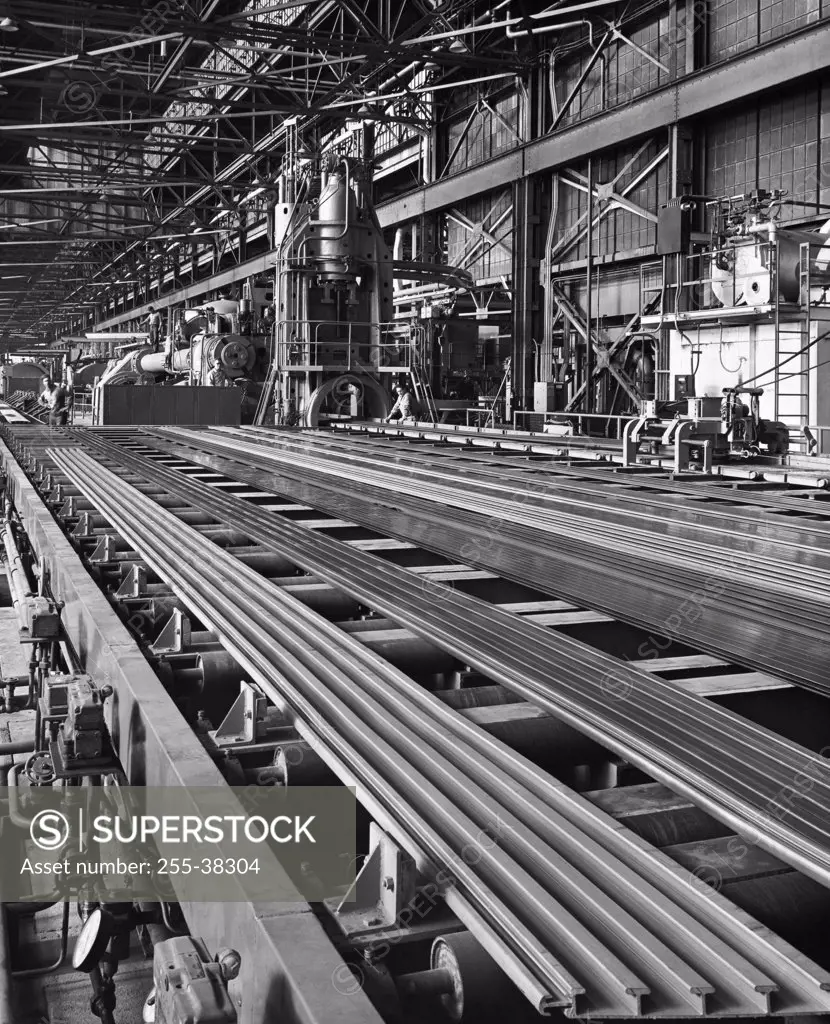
(782, 142)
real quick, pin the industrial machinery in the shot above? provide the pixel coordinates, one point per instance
(338, 348)
(712, 429)
(218, 334)
(219, 627)
(746, 314)
(754, 258)
(739, 298)
(21, 377)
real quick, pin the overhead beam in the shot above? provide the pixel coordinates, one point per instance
(768, 67)
(250, 268)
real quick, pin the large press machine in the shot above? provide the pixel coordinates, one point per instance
(338, 346)
(329, 345)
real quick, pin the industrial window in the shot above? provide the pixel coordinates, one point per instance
(738, 25)
(623, 72)
(619, 230)
(482, 131)
(468, 226)
(777, 144)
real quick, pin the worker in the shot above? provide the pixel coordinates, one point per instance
(54, 397)
(154, 327)
(404, 405)
(217, 377)
(168, 352)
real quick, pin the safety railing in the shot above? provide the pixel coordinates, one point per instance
(612, 425)
(349, 345)
(81, 408)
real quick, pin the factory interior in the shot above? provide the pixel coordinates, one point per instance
(510, 320)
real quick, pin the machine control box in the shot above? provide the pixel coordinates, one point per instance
(41, 619)
(704, 408)
(189, 987)
(545, 396)
(684, 386)
(674, 228)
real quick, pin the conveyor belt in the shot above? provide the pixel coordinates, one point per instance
(722, 604)
(561, 876)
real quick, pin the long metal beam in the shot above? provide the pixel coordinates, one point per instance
(242, 271)
(564, 865)
(288, 961)
(768, 67)
(705, 605)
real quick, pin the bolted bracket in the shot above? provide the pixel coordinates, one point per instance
(384, 886)
(104, 550)
(175, 637)
(246, 720)
(134, 585)
(84, 527)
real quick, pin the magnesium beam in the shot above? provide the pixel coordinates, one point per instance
(288, 962)
(767, 67)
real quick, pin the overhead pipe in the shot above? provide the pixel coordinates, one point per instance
(508, 22)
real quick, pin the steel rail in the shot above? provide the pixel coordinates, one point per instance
(501, 650)
(770, 629)
(567, 470)
(337, 689)
(288, 961)
(603, 448)
(506, 495)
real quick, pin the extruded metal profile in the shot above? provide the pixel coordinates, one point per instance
(570, 901)
(640, 577)
(288, 961)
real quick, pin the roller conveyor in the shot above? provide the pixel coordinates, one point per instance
(567, 890)
(496, 792)
(757, 623)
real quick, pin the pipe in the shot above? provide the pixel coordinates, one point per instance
(36, 972)
(17, 747)
(507, 22)
(20, 588)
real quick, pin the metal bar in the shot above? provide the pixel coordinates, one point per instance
(349, 675)
(635, 584)
(287, 960)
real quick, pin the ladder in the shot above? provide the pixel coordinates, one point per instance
(791, 374)
(266, 394)
(791, 379)
(423, 393)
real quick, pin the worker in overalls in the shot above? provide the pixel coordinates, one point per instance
(217, 377)
(154, 327)
(404, 405)
(55, 399)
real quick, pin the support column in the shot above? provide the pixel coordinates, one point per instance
(525, 318)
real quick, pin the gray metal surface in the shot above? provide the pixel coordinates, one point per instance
(287, 960)
(579, 912)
